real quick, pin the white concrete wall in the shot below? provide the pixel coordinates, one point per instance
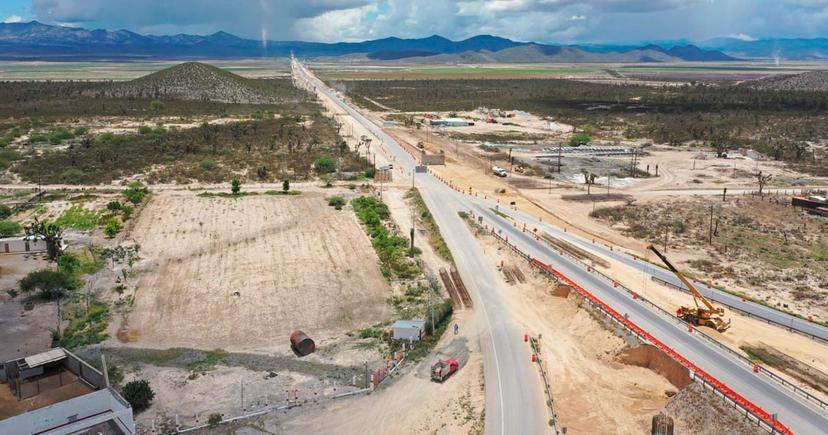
(16, 245)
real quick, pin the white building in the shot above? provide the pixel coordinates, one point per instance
(411, 330)
(19, 245)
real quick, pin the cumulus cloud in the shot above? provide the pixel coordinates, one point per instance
(244, 17)
(551, 21)
(13, 19)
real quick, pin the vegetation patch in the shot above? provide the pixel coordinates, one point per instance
(435, 238)
(392, 250)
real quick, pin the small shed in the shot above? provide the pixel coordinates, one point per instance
(411, 330)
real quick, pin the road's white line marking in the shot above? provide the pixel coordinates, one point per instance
(483, 306)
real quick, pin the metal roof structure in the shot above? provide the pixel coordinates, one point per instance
(44, 358)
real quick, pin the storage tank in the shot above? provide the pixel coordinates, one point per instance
(301, 344)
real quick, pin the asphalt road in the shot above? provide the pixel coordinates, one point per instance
(515, 403)
(512, 386)
(801, 416)
(811, 329)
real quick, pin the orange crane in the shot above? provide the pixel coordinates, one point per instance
(709, 315)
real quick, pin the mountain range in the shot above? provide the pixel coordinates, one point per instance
(38, 41)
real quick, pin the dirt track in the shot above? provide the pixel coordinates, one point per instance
(295, 262)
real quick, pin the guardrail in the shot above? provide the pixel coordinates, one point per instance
(550, 401)
(769, 422)
(773, 375)
(774, 425)
(770, 321)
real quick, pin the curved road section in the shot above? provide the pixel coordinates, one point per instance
(515, 403)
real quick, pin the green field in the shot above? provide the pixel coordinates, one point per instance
(14, 70)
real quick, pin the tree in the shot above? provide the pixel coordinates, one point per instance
(49, 284)
(5, 211)
(762, 180)
(589, 179)
(235, 186)
(51, 233)
(325, 165)
(286, 185)
(9, 228)
(138, 393)
(156, 106)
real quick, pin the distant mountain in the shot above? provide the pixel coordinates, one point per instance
(35, 40)
(782, 49)
(190, 81)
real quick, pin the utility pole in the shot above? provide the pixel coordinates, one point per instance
(242, 394)
(367, 381)
(559, 156)
(710, 230)
(511, 163)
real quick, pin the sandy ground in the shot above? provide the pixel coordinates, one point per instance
(408, 403)
(295, 262)
(594, 393)
(22, 332)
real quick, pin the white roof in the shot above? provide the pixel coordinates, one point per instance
(419, 324)
(45, 357)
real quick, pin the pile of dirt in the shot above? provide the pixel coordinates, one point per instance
(699, 411)
(191, 81)
(654, 359)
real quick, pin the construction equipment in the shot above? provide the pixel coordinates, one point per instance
(709, 315)
(442, 369)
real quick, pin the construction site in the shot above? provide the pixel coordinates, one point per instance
(430, 271)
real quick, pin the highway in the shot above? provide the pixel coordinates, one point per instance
(515, 403)
(512, 385)
(811, 329)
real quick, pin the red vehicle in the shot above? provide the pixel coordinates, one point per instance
(443, 369)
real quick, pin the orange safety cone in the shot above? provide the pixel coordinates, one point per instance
(755, 367)
(525, 338)
(689, 327)
(534, 357)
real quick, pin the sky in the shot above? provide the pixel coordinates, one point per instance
(546, 21)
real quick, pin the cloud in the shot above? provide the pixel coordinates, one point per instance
(243, 17)
(550, 21)
(13, 19)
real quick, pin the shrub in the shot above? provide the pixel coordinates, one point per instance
(336, 202)
(78, 218)
(579, 139)
(138, 393)
(59, 134)
(114, 206)
(50, 284)
(286, 185)
(9, 228)
(214, 420)
(80, 131)
(5, 211)
(235, 186)
(136, 192)
(208, 164)
(112, 227)
(325, 165)
(144, 129)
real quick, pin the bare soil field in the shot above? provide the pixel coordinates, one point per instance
(22, 332)
(242, 273)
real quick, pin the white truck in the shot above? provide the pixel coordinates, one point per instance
(500, 172)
